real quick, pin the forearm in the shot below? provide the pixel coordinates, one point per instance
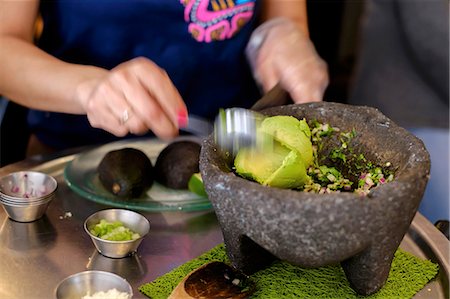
(295, 10)
(37, 80)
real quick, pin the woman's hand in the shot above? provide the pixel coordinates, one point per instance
(134, 97)
(279, 51)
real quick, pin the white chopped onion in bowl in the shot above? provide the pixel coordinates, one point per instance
(110, 294)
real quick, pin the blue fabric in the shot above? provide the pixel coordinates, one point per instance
(435, 203)
(209, 74)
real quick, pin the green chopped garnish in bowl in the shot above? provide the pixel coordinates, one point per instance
(113, 231)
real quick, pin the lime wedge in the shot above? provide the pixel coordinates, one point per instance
(195, 185)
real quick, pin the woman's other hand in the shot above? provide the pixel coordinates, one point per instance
(280, 50)
(134, 97)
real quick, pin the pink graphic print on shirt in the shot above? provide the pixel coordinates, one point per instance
(211, 20)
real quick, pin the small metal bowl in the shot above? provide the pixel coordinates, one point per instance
(89, 282)
(27, 186)
(25, 213)
(25, 195)
(118, 249)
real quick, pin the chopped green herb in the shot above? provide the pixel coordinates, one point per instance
(325, 179)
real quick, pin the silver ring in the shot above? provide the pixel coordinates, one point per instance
(125, 116)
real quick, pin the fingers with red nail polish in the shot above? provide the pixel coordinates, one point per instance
(182, 119)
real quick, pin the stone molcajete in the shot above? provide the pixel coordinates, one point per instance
(261, 223)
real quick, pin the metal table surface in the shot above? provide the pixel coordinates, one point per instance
(36, 256)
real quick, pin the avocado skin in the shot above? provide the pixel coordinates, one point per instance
(176, 163)
(126, 172)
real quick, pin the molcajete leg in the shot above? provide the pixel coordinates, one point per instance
(245, 254)
(368, 271)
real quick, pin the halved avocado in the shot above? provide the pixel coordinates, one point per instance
(285, 163)
(292, 133)
(280, 167)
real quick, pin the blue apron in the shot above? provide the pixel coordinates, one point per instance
(200, 43)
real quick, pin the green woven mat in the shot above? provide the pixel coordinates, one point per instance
(408, 275)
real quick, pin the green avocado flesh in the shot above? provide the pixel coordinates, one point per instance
(285, 164)
(292, 133)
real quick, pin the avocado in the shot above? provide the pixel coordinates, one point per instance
(285, 163)
(292, 133)
(126, 172)
(280, 167)
(176, 163)
(258, 165)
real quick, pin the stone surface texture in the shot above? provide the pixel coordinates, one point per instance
(261, 223)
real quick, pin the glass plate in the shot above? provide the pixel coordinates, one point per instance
(81, 176)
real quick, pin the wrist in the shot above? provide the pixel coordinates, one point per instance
(86, 87)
